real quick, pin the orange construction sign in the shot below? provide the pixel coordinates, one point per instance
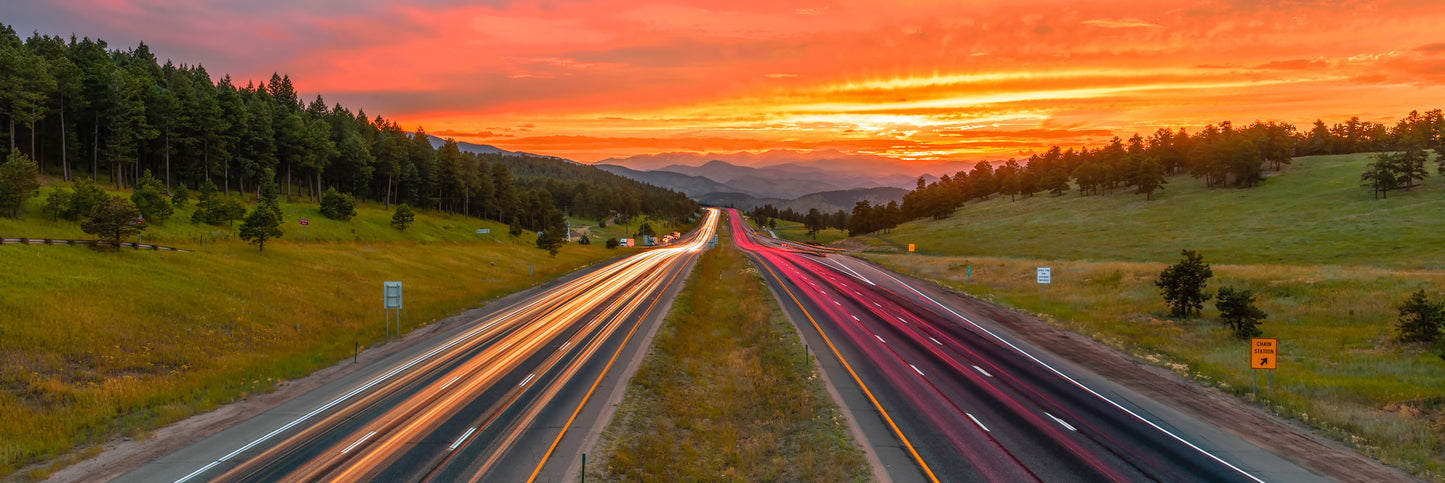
(1263, 353)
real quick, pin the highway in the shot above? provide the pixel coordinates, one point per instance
(509, 396)
(962, 403)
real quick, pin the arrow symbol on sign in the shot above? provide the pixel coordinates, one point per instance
(1264, 361)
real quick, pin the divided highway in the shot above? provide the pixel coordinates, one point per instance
(963, 403)
(499, 400)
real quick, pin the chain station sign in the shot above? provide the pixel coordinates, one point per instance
(305, 221)
(1263, 353)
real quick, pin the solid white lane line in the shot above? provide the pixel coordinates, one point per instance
(528, 379)
(915, 369)
(449, 383)
(856, 274)
(459, 440)
(1080, 385)
(975, 421)
(980, 369)
(1056, 418)
(358, 442)
(880, 339)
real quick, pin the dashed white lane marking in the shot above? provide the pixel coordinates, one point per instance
(449, 383)
(935, 341)
(980, 369)
(880, 339)
(854, 317)
(358, 442)
(1056, 418)
(528, 379)
(564, 346)
(915, 369)
(975, 421)
(459, 440)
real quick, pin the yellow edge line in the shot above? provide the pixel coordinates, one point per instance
(855, 376)
(548, 454)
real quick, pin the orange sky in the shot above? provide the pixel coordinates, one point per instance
(917, 80)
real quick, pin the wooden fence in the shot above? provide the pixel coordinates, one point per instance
(52, 241)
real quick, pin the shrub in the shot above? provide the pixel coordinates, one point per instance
(1238, 313)
(337, 206)
(1420, 319)
(19, 180)
(1182, 284)
(403, 217)
(584, 240)
(612, 242)
(181, 196)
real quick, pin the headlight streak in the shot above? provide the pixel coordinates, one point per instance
(563, 320)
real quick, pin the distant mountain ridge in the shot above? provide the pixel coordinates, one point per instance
(466, 147)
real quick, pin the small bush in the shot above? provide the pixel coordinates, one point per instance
(180, 197)
(337, 206)
(1238, 313)
(584, 240)
(403, 217)
(1420, 319)
(612, 242)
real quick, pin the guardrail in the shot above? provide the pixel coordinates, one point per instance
(53, 241)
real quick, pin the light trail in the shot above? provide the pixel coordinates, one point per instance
(549, 338)
(932, 365)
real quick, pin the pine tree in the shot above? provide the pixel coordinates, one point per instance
(1420, 319)
(19, 180)
(264, 222)
(114, 221)
(403, 217)
(1238, 313)
(1182, 284)
(147, 197)
(551, 240)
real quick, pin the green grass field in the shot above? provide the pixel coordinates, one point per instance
(1313, 213)
(95, 345)
(1328, 263)
(726, 393)
(797, 232)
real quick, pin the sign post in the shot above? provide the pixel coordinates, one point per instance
(304, 222)
(391, 299)
(1045, 277)
(1263, 354)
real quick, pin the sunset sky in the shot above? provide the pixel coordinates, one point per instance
(955, 80)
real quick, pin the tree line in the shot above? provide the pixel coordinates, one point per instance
(1222, 155)
(82, 110)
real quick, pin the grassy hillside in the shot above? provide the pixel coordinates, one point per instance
(1313, 213)
(95, 345)
(1329, 265)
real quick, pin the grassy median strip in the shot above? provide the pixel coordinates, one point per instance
(727, 393)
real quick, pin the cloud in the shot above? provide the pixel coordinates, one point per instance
(1117, 23)
(1293, 64)
(1042, 134)
(1432, 49)
(466, 134)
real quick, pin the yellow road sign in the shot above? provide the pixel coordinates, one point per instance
(910, 247)
(1263, 353)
